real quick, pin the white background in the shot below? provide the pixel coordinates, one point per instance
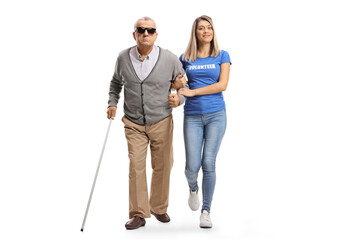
(288, 165)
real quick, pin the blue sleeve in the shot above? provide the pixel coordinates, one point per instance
(225, 57)
(182, 62)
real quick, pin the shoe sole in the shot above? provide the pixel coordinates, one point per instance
(194, 209)
(158, 219)
(205, 226)
(135, 228)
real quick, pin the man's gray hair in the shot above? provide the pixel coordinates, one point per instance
(145, 19)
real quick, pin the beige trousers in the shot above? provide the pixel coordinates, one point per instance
(160, 136)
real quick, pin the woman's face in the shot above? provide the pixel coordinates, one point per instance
(204, 32)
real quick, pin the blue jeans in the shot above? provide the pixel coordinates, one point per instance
(202, 135)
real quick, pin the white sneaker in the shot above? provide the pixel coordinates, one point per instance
(193, 201)
(205, 221)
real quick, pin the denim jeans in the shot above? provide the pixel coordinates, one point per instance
(202, 135)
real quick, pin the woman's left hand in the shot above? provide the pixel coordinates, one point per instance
(186, 92)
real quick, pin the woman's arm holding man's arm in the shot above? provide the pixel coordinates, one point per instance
(220, 86)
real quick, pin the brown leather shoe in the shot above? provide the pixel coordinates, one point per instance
(135, 223)
(161, 217)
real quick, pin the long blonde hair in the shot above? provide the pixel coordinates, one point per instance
(190, 53)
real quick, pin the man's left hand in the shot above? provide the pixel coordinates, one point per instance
(174, 100)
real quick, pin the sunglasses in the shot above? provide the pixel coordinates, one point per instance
(142, 30)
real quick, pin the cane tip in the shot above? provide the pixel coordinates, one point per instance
(82, 230)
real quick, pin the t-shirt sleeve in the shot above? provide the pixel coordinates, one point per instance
(178, 68)
(182, 62)
(183, 72)
(225, 57)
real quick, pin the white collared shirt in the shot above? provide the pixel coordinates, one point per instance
(143, 67)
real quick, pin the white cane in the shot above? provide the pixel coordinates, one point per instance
(97, 171)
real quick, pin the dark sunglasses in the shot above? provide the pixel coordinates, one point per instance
(142, 30)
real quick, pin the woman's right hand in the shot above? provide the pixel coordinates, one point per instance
(179, 82)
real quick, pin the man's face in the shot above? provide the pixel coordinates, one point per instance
(146, 38)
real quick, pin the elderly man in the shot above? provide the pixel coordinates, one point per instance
(147, 73)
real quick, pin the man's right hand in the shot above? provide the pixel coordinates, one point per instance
(111, 112)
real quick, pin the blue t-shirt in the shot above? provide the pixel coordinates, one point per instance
(201, 73)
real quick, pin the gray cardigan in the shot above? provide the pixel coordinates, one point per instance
(145, 102)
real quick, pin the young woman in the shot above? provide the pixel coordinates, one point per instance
(207, 69)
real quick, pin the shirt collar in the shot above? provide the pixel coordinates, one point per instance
(151, 54)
